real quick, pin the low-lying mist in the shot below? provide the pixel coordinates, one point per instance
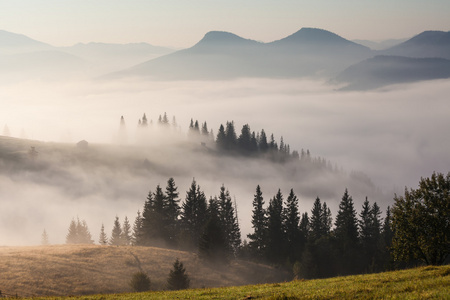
(394, 135)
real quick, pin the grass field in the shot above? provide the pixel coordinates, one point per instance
(419, 283)
(60, 270)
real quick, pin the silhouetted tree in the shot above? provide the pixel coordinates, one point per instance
(228, 221)
(172, 211)
(421, 221)
(193, 215)
(259, 223)
(346, 234)
(178, 278)
(275, 233)
(291, 220)
(79, 233)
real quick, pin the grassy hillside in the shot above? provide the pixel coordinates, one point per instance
(80, 269)
(420, 283)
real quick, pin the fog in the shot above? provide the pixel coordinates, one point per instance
(395, 136)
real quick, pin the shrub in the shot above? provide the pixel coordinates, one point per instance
(140, 282)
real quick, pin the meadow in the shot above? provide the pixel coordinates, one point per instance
(419, 283)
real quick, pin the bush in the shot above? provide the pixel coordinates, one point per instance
(140, 282)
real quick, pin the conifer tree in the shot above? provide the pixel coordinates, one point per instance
(178, 278)
(136, 237)
(44, 238)
(291, 220)
(228, 221)
(259, 223)
(221, 138)
(212, 244)
(316, 224)
(147, 230)
(103, 239)
(172, 210)
(346, 234)
(116, 234)
(262, 144)
(193, 216)
(244, 141)
(126, 232)
(72, 235)
(275, 233)
(230, 136)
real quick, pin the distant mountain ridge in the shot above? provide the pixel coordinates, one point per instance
(221, 55)
(385, 70)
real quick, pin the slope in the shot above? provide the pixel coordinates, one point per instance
(86, 269)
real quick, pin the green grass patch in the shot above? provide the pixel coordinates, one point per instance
(419, 283)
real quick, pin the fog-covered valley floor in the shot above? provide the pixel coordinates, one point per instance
(394, 136)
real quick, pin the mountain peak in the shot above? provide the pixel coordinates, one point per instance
(431, 37)
(316, 37)
(223, 38)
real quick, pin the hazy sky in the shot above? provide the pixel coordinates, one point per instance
(181, 23)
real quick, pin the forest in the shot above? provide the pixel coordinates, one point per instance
(311, 245)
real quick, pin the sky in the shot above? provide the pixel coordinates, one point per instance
(181, 23)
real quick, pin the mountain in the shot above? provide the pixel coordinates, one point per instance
(221, 55)
(18, 43)
(380, 45)
(386, 70)
(106, 57)
(425, 44)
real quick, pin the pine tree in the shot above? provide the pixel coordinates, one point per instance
(244, 141)
(178, 278)
(212, 244)
(44, 238)
(228, 221)
(136, 237)
(291, 220)
(275, 233)
(221, 138)
(346, 234)
(263, 145)
(230, 136)
(126, 232)
(116, 234)
(316, 224)
(193, 215)
(259, 223)
(172, 211)
(103, 239)
(147, 230)
(72, 236)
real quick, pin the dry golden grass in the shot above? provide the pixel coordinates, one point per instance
(59, 270)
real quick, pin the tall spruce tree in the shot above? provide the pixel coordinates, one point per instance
(103, 239)
(275, 232)
(116, 234)
(172, 211)
(126, 232)
(291, 220)
(244, 141)
(221, 138)
(193, 215)
(228, 221)
(136, 236)
(257, 239)
(346, 235)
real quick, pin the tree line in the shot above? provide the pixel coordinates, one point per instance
(311, 244)
(229, 142)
